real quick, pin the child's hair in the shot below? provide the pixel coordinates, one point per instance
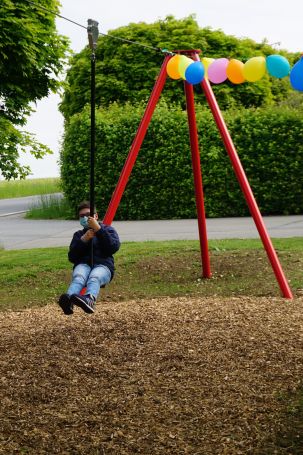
(85, 205)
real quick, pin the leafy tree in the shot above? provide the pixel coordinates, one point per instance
(12, 141)
(31, 58)
(126, 73)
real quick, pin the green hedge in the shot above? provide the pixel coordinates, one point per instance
(161, 185)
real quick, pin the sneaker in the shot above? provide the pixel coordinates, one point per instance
(86, 302)
(66, 304)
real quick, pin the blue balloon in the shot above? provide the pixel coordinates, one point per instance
(296, 75)
(277, 65)
(194, 73)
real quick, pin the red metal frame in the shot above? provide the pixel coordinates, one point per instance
(236, 163)
(195, 155)
(246, 189)
(134, 150)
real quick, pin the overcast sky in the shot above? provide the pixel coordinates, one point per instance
(278, 21)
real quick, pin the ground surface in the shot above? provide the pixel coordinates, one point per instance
(200, 376)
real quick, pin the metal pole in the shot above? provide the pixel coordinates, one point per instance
(244, 184)
(134, 150)
(93, 33)
(194, 145)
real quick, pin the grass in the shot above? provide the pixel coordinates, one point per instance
(50, 207)
(29, 187)
(152, 269)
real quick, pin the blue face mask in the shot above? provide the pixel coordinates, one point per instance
(83, 222)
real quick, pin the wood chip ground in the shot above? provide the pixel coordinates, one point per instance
(167, 376)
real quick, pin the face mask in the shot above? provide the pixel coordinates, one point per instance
(83, 222)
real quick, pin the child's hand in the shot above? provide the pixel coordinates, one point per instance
(88, 235)
(93, 223)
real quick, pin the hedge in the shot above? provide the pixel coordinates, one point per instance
(161, 184)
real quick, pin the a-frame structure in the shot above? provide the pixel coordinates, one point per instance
(235, 161)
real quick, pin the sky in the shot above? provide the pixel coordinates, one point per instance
(278, 21)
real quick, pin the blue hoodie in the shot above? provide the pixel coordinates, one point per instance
(105, 243)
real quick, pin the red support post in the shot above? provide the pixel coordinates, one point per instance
(134, 150)
(195, 155)
(244, 184)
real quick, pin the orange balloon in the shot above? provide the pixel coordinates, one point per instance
(234, 71)
(172, 67)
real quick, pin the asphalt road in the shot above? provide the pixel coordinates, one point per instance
(20, 204)
(19, 233)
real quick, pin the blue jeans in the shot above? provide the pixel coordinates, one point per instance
(91, 278)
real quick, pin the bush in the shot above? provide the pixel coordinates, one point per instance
(161, 183)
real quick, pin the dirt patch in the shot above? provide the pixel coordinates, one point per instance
(167, 376)
(233, 273)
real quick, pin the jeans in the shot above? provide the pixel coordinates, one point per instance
(91, 278)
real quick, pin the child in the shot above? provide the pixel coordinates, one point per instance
(91, 251)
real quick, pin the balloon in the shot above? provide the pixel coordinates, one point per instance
(296, 75)
(217, 71)
(184, 62)
(277, 65)
(172, 67)
(194, 73)
(206, 61)
(254, 69)
(234, 71)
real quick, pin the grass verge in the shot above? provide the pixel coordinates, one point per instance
(50, 207)
(30, 187)
(153, 269)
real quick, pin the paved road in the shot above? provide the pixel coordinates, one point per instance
(19, 233)
(20, 204)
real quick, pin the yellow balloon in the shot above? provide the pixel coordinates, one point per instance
(234, 71)
(254, 69)
(206, 62)
(172, 67)
(184, 62)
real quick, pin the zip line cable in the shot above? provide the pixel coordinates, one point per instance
(136, 43)
(55, 13)
(157, 49)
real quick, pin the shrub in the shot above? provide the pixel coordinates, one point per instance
(161, 183)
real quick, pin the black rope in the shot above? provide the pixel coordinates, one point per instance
(92, 147)
(136, 43)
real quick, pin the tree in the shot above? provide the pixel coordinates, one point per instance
(32, 55)
(126, 73)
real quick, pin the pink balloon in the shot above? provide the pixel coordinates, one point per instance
(217, 71)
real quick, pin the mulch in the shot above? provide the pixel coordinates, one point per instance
(163, 376)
